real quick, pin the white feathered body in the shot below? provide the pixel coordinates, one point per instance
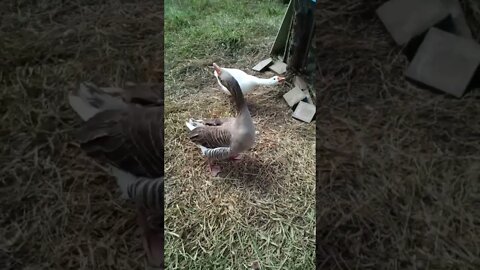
(246, 81)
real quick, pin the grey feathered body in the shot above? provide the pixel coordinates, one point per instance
(124, 127)
(223, 138)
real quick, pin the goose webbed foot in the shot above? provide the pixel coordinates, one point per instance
(155, 257)
(214, 169)
(236, 158)
(152, 243)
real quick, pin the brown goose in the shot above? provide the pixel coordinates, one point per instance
(227, 137)
(124, 127)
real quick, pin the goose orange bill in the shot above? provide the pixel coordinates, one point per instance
(281, 79)
(217, 69)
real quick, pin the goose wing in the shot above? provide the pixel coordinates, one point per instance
(130, 139)
(218, 121)
(211, 136)
(145, 94)
(148, 193)
(88, 99)
(125, 128)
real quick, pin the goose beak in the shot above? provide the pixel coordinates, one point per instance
(281, 79)
(217, 69)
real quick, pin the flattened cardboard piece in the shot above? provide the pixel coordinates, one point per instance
(449, 67)
(263, 64)
(304, 112)
(294, 96)
(278, 67)
(405, 19)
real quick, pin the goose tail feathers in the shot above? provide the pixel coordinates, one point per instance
(203, 149)
(88, 100)
(193, 124)
(190, 126)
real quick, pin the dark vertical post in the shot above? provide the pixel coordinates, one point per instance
(303, 22)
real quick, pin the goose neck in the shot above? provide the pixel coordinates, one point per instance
(262, 81)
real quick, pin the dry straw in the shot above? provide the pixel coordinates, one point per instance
(398, 166)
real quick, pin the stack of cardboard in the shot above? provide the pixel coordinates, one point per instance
(435, 33)
(300, 101)
(298, 98)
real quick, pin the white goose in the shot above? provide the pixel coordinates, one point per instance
(247, 82)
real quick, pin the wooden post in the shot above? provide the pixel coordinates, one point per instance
(303, 23)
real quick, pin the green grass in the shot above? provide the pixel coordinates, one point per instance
(261, 209)
(226, 31)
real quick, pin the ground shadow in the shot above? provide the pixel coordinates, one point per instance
(269, 105)
(252, 173)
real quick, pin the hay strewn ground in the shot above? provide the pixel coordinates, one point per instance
(398, 166)
(261, 209)
(58, 209)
